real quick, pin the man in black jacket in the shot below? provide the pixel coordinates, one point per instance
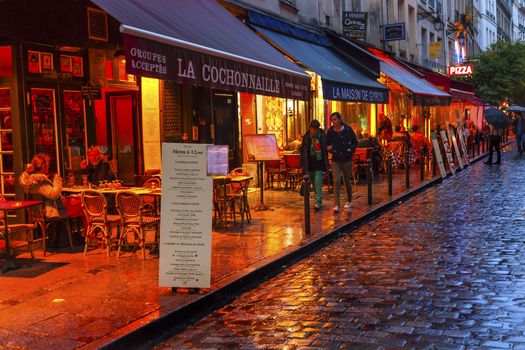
(341, 141)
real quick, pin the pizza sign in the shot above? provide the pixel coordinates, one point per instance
(460, 70)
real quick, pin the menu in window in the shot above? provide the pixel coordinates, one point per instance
(261, 147)
(185, 227)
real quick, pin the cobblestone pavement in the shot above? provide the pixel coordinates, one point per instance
(444, 270)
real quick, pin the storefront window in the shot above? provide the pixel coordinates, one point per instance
(44, 123)
(75, 128)
(357, 115)
(272, 112)
(7, 175)
(6, 62)
(295, 120)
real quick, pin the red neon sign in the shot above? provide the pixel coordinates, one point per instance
(460, 70)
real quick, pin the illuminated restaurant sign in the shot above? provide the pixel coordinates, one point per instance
(459, 70)
(353, 93)
(166, 62)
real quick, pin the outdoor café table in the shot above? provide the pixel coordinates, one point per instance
(141, 191)
(7, 206)
(220, 192)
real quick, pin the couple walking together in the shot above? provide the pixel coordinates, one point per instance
(341, 141)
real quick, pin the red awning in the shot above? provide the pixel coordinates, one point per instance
(423, 92)
(199, 42)
(465, 97)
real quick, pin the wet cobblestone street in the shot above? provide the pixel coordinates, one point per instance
(443, 270)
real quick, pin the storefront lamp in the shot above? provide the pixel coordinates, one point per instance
(438, 24)
(461, 38)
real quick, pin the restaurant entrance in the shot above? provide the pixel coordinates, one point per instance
(122, 123)
(226, 124)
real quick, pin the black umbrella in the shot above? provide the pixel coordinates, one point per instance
(496, 118)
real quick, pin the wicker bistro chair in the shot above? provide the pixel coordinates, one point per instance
(275, 172)
(134, 221)
(98, 220)
(24, 234)
(293, 171)
(47, 224)
(238, 195)
(150, 204)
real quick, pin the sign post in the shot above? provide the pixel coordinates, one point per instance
(260, 148)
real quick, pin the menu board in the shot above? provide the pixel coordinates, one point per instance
(260, 147)
(217, 162)
(438, 156)
(185, 226)
(448, 152)
(151, 123)
(455, 144)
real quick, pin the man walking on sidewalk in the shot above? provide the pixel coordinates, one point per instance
(494, 144)
(518, 124)
(341, 141)
(314, 147)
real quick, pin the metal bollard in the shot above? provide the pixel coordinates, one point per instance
(422, 162)
(306, 194)
(369, 179)
(434, 165)
(407, 170)
(389, 174)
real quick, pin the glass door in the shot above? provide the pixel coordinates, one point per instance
(75, 137)
(43, 116)
(7, 173)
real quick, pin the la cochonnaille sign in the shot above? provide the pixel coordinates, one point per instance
(459, 70)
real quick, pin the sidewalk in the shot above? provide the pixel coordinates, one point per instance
(67, 300)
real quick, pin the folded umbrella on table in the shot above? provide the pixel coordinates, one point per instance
(496, 118)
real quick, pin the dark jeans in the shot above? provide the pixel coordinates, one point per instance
(520, 140)
(495, 141)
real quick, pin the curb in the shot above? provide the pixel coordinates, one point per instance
(165, 326)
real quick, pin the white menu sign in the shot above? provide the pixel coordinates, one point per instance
(185, 226)
(456, 147)
(437, 154)
(448, 151)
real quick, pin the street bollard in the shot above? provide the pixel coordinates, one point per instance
(389, 174)
(422, 162)
(434, 166)
(306, 194)
(369, 179)
(407, 170)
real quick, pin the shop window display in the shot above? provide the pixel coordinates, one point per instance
(44, 123)
(7, 179)
(75, 130)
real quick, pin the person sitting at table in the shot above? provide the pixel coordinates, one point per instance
(419, 141)
(97, 169)
(401, 136)
(35, 179)
(371, 142)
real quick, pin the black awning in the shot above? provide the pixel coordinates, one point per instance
(341, 81)
(199, 42)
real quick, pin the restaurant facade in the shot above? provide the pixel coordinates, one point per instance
(95, 73)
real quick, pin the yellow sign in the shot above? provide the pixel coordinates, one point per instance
(435, 49)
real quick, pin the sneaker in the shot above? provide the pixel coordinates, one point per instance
(497, 162)
(347, 205)
(336, 209)
(487, 162)
(317, 206)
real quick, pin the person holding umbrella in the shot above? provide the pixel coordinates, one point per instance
(498, 122)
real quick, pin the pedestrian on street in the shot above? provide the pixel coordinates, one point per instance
(342, 142)
(314, 146)
(519, 131)
(494, 144)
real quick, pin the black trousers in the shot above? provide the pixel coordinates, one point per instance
(495, 142)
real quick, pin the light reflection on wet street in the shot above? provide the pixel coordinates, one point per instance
(444, 270)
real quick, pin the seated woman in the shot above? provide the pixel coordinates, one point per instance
(97, 169)
(35, 180)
